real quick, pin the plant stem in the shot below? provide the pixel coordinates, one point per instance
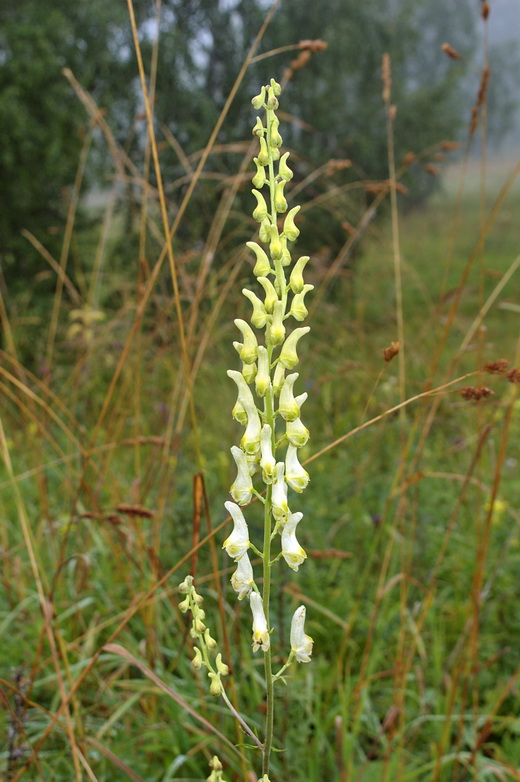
(269, 720)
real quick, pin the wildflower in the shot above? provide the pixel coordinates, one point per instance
(270, 293)
(197, 661)
(260, 631)
(263, 378)
(298, 309)
(287, 406)
(301, 644)
(289, 227)
(296, 278)
(262, 266)
(215, 687)
(237, 543)
(297, 433)
(242, 579)
(292, 552)
(288, 355)
(267, 460)
(242, 488)
(295, 475)
(259, 316)
(279, 496)
(249, 350)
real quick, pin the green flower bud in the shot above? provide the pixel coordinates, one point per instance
(275, 138)
(198, 626)
(277, 329)
(264, 232)
(275, 247)
(263, 155)
(286, 255)
(296, 278)
(262, 265)
(283, 169)
(278, 379)
(276, 88)
(270, 293)
(297, 433)
(249, 372)
(279, 198)
(289, 227)
(184, 605)
(287, 406)
(263, 378)
(298, 309)
(258, 129)
(197, 661)
(272, 102)
(215, 687)
(259, 316)
(288, 356)
(186, 586)
(275, 153)
(267, 460)
(208, 640)
(222, 668)
(259, 179)
(249, 351)
(259, 100)
(260, 211)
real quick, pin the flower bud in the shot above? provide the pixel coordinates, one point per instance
(263, 378)
(277, 329)
(262, 266)
(292, 552)
(286, 255)
(186, 586)
(298, 309)
(263, 155)
(184, 605)
(222, 668)
(288, 355)
(260, 211)
(258, 129)
(197, 661)
(296, 278)
(287, 406)
(278, 379)
(275, 138)
(237, 543)
(264, 232)
(249, 351)
(276, 88)
(297, 433)
(279, 197)
(242, 488)
(289, 228)
(267, 460)
(270, 293)
(275, 246)
(198, 626)
(272, 102)
(208, 640)
(259, 179)
(283, 169)
(295, 475)
(259, 316)
(259, 100)
(215, 687)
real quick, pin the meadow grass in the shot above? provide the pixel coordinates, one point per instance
(116, 467)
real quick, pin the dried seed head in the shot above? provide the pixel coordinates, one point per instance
(513, 375)
(497, 367)
(391, 351)
(475, 393)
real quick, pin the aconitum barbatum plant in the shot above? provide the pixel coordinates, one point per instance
(266, 459)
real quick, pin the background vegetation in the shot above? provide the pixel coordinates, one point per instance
(115, 433)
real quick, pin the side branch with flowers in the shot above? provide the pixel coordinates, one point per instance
(270, 412)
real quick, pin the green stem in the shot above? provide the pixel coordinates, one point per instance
(269, 720)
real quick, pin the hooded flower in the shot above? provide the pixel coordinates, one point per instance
(292, 552)
(267, 460)
(301, 644)
(242, 488)
(237, 543)
(279, 496)
(296, 477)
(260, 631)
(242, 579)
